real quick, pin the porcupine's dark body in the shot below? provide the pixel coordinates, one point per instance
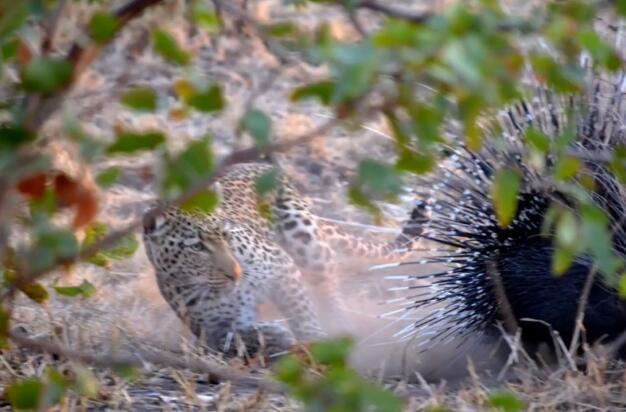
(458, 208)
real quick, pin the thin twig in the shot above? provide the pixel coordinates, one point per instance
(51, 27)
(139, 360)
(354, 19)
(504, 306)
(394, 12)
(277, 49)
(580, 312)
(80, 57)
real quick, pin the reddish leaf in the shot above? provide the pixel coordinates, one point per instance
(178, 114)
(67, 190)
(86, 209)
(24, 54)
(72, 193)
(33, 186)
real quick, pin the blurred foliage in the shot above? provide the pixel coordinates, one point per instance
(459, 64)
(506, 402)
(338, 387)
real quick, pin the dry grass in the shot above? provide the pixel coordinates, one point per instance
(128, 315)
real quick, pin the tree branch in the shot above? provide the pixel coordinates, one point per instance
(198, 365)
(504, 306)
(580, 311)
(394, 12)
(277, 49)
(240, 156)
(39, 109)
(50, 26)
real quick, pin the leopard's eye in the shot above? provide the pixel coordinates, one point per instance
(198, 247)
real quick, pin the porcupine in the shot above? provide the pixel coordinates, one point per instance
(455, 210)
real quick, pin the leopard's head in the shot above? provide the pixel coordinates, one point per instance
(190, 250)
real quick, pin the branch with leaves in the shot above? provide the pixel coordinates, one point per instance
(424, 68)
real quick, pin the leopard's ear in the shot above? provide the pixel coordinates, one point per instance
(219, 191)
(217, 188)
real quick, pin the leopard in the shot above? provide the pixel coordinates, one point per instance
(215, 269)
(214, 273)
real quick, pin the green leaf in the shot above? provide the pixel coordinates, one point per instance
(540, 141)
(567, 230)
(205, 201)
(5, 321)
(469, 108)
(378, 399)
(13, 136)
(597, 237)
(26, 394)
(198, 157)
(456, 56)
(46, 75)
(289, 370)
(357, 197)
(323, 91)
(85, 290)
(396, 34)
(417, 163)
(426, 122)
(621, 7)
(281, 29)
(563, 77)
(379, 177)
(94, 232)
(86, 384)
(194, 163)
(258, 125)
(12, 17)
(54, 388)
(267, 182)
(599, 49)
(103, 27)
(36, 292)
(8, 49)
(108, 177)
(168, 48)
(580, 11)
(504, 190)
(621, 286)
(332, 352)
(567, 167)
(125, 248)
(140, 98)
(506, 402)
(99, 260)
(209, 100)
(62, 243)
(356, 66)
(205, 17)
(129, 142)
(438, 408)
(127, 372)
(618, 163)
